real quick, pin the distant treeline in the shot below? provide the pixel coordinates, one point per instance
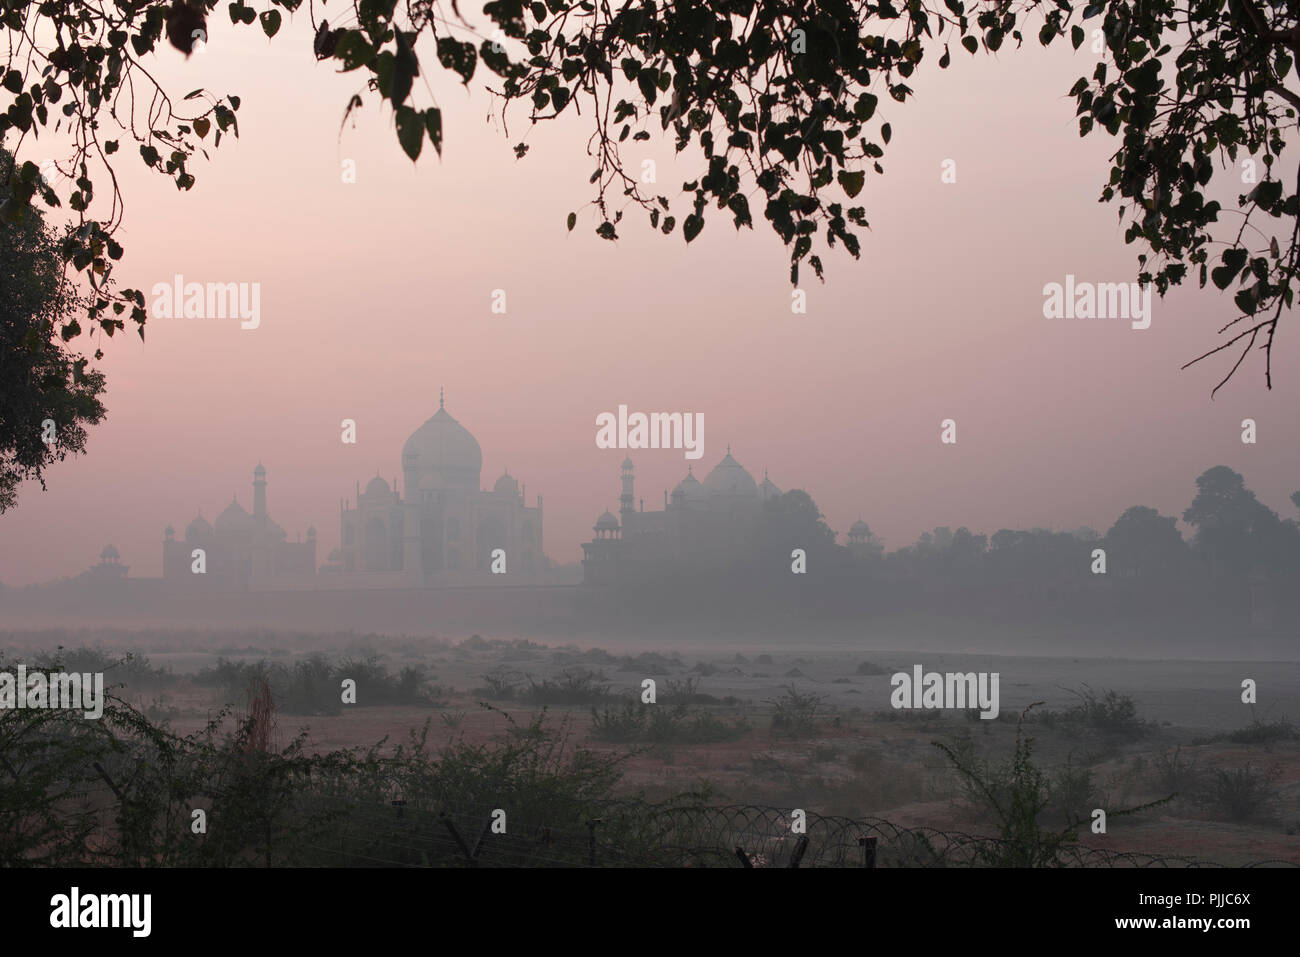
(1240, 566)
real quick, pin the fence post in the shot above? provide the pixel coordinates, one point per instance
(478, 845)
(591, 841)
(456, 836)
(868, 845)
(800, 847)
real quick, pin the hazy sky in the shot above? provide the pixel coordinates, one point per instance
(377, 293)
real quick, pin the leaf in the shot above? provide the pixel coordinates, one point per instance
(573, 221)
(202, 125)
(1222, 276)
(649, 88)
(405, 68)
(458, 56)
(970, 43)
(270, 22)
(691, 226)
(410, 131)
(433, 125)
(1076, 36)
(852, 182)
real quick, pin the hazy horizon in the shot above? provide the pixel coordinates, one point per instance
(375, 295)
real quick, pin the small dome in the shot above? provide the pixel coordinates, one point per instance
(198, 529)
(606, 522)
(627, 462)
(109, 554)
(234, 519)
(689, 490)
(506, 485)
(377, 486)
(169, 533)
(860, 528)
(311, 531)
(767, 488)
(259, 471)
(729, 478)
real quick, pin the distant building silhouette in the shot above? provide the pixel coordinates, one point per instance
(711, 522)
(444, 529)
(241, 551)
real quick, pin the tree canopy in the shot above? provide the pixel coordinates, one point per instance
(47, 395)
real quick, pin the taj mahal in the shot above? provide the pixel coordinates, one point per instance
(439, 528)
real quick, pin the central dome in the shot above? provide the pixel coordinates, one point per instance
(441, 454)
(729, 478)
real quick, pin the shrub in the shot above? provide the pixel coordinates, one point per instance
(1110, 714)
(660, 724)
(1264, 732)
(1177, 773)
(1242, 794)
(498, 685)
(797, 714)
(572, 687)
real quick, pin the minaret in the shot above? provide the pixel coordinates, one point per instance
(627, 501)
(259, 491)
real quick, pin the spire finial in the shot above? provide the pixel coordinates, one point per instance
(728, 448)
(441, 398)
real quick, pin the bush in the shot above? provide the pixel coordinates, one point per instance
(499, 685)
(1264, 732)
(132, 670)
(313, 685)
(1017, 792)
(1177, 773)
(659, 724)
(1110, 714)
(685, 691)
(1242, 794)
(797, 714)
(572, 687)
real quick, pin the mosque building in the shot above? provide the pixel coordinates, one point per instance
(240, 550)
(701, 522)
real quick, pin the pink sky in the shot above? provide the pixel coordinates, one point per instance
(377, 293)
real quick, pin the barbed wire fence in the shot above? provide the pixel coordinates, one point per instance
(639, 834)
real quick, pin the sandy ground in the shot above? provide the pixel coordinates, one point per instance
(862, 757)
